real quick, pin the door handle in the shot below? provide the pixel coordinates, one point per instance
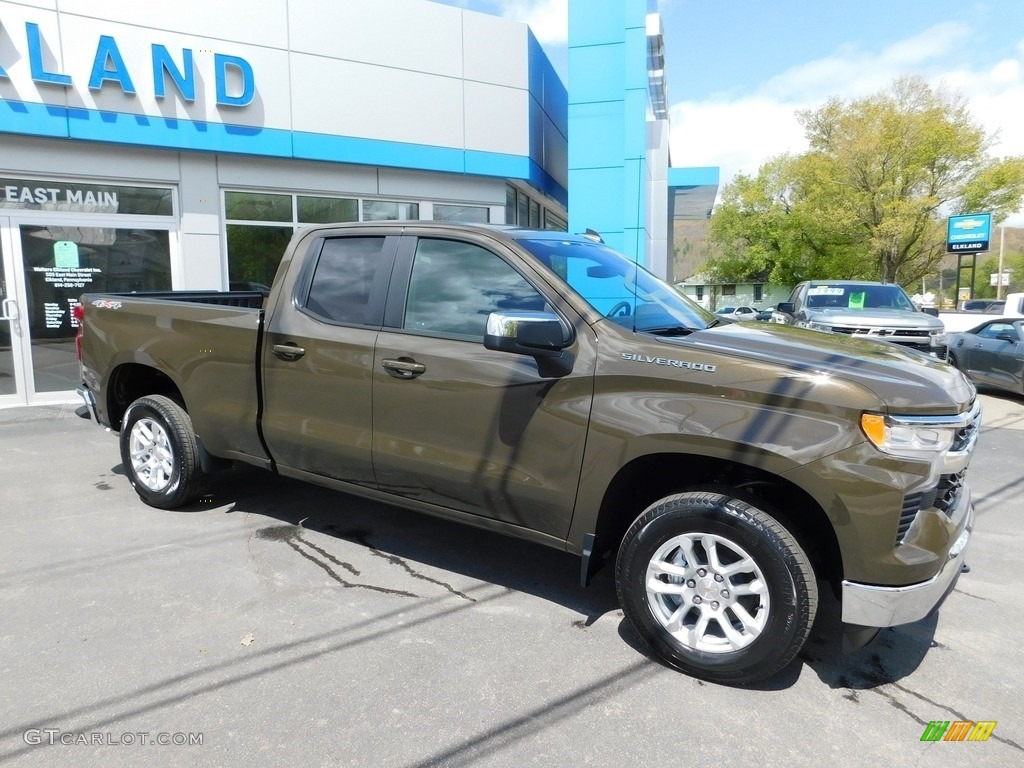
(10, 309)
(288, 351)
(403, 368)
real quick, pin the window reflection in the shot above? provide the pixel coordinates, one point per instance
(63, 262)
(455, 286)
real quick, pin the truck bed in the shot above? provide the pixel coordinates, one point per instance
(207, 342)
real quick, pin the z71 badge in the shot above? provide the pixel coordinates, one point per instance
(705, 367)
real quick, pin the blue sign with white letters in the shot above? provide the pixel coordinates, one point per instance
(968, 234)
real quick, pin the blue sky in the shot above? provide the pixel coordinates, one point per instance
(737, 70)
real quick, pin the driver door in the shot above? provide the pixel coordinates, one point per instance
(464, 427)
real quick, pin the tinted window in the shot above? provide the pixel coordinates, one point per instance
(340, 290)
(992, 330)
(455, 286)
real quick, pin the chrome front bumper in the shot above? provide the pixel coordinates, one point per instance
(873, 606)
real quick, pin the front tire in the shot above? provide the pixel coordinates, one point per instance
(159, 453)
(716, 587)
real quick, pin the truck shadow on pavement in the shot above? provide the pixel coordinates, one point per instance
(335, 531)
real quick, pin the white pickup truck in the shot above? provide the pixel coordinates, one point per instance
(955, 322)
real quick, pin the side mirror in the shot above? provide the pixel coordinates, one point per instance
(538, 334)
(1009, 336)
(786, 306)
(930, 311)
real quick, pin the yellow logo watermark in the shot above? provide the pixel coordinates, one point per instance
(958, 730)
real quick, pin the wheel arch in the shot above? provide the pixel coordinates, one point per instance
(646, 479)
(130, 381)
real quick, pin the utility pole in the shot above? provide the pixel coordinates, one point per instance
(999, 280)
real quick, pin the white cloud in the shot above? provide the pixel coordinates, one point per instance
(738, 134)
(549, 19)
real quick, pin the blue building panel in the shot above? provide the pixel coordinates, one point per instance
(173, 133)
(600, 24)
(634, 190)
(345, 149)
(598, 135)
(33, 119)
(597, 74)
(705, 176)
(547, 87)
(598, 199)
(635, 130)
(635, 73)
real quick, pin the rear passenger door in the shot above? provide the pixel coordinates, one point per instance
(318, 357)
(464, 427)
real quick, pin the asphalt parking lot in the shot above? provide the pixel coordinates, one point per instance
(281, 624)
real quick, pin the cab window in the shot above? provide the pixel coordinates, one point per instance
(454, 287)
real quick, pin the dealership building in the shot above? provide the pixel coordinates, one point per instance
(179, 146)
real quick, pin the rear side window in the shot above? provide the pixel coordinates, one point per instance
(455, 286)
(341, 285)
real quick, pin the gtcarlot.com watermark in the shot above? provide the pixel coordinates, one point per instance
(38, 736)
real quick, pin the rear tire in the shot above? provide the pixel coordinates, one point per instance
(159, 453)
(716, 587)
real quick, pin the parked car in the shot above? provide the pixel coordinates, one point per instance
(988, 306)
(736, 313)
(765, 315)
(991, 354)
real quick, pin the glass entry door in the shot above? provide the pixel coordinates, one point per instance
(12, 373)
(63, 260)
(47, 263)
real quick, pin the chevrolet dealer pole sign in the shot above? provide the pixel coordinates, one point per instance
(968, 235)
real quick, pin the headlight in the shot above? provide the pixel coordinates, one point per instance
(820, 327)
(914, 437)
(939, 339)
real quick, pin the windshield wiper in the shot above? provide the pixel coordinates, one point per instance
(669, 330)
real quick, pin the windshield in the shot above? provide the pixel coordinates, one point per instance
(854, 296)
(618, 288)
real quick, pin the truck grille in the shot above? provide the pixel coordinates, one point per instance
(943, 497)
(882, 333)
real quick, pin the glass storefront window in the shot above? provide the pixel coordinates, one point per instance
(67, 196)
(476, 214)
(386, 210)
(254, 253)
(554, 222)
(326, 210)
(258, 206)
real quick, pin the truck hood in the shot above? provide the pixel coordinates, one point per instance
(904, 380)
(874, 318)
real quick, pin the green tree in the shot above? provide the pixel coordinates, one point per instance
(870, 197)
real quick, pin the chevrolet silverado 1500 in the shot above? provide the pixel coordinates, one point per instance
(542, 385)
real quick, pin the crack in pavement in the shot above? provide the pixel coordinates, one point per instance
(292, 536)
(360, 537)
(896, 703)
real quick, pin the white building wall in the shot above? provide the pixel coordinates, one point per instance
(405, 71)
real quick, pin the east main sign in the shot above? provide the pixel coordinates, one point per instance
(968, 234)
(109, 68)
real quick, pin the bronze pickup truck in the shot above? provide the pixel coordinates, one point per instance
(542, 385)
